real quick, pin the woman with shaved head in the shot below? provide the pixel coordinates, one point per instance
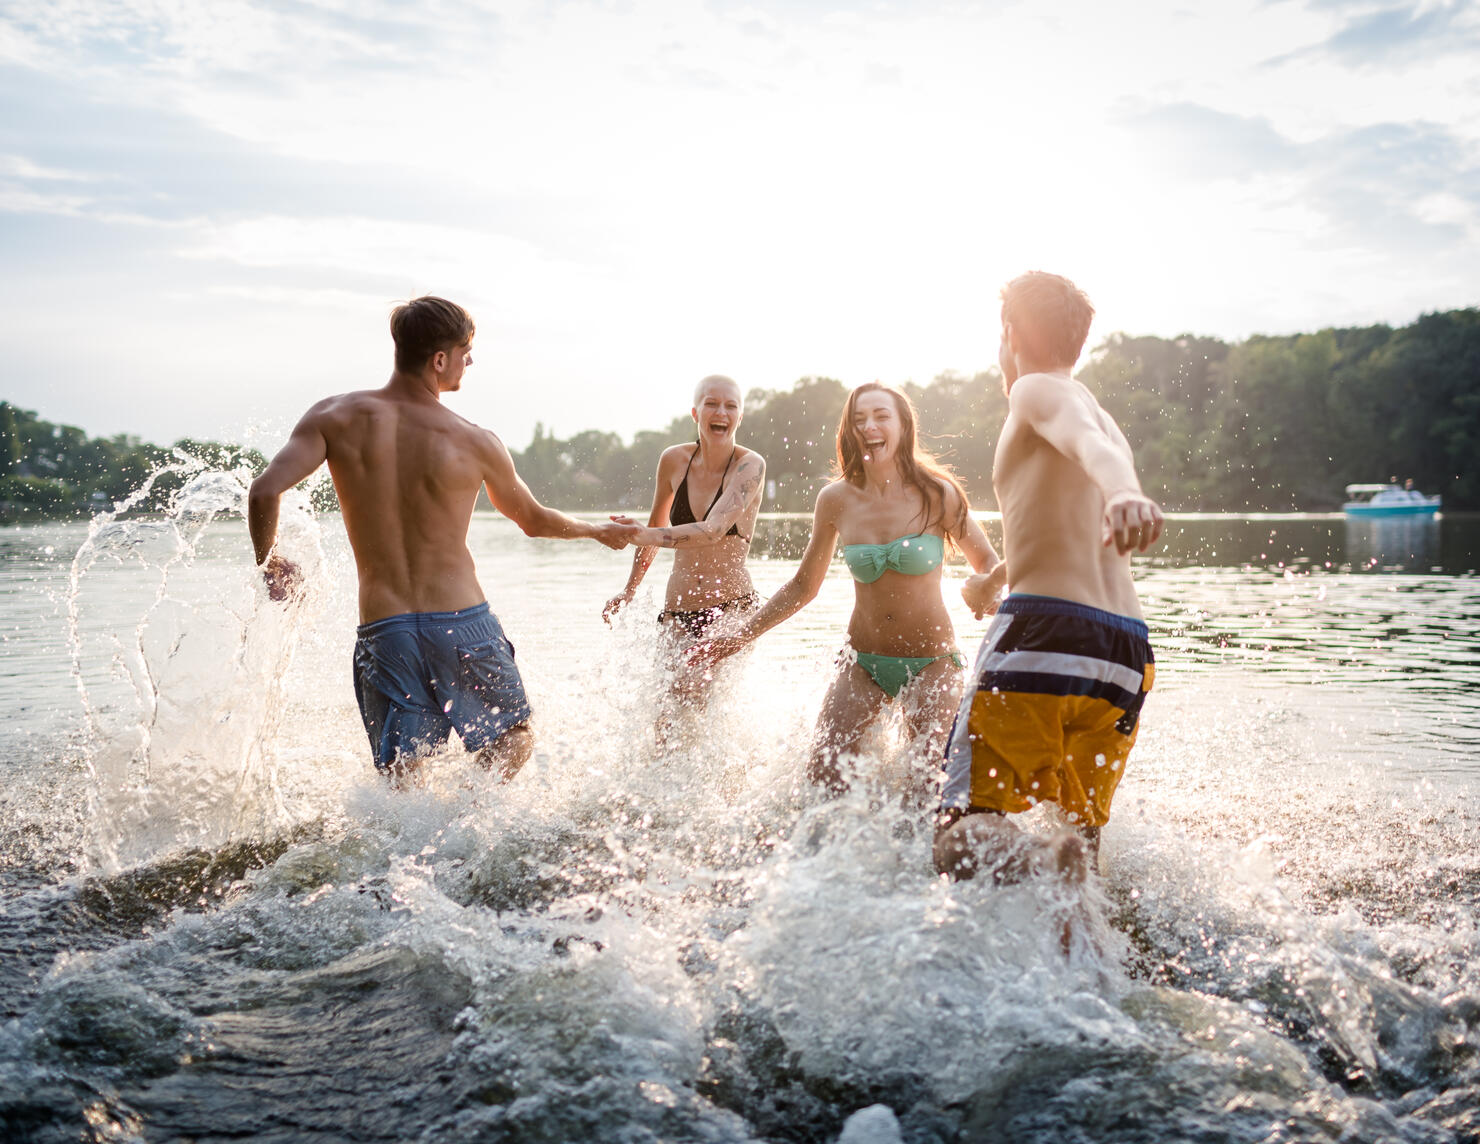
(704, 507)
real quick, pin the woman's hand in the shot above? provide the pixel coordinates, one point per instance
(643, 536)
(707, 653)
(615, 605)
(982, 591)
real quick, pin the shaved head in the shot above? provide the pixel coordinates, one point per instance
(712, 381)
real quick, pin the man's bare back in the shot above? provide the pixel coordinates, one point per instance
(1055, 444)
(408, 471)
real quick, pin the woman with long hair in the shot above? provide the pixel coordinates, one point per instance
(895, 509)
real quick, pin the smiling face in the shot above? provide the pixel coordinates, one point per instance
(876, 425)
(718, 410)
(878, 429)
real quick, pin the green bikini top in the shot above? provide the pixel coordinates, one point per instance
(912, 555)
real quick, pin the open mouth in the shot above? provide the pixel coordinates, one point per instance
(717, 427)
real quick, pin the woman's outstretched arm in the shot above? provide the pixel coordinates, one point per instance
(792, 596)
(750, 474)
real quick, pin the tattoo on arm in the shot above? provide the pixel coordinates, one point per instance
(706, 532)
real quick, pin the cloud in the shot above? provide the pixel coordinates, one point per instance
(511, 275)
(1204, 142)
(20, 167)
(1392, 34)
(1406, 187)
(627, 190)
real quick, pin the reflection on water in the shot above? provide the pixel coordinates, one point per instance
(1449, 545)
(1399, 543)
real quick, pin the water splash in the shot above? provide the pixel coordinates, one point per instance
(627, 943)
(183, 703)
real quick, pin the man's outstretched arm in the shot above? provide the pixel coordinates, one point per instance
(511, 496)
(305, 451)
(1132, 519)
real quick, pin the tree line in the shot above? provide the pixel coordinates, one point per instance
(1267, 424)
(50, 471)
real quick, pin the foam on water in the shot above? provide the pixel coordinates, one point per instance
(632, 945)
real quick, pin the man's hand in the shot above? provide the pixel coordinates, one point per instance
(616, 535)
(982, 591)
(615, 605)
(283, 577)
(1132, 521)
(642, 535)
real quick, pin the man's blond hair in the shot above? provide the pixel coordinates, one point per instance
(1050, 316)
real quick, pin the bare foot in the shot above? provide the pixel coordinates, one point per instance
(1069, 857)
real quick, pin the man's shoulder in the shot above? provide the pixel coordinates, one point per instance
(350, 402)
(1042, 395)
(1035, 383)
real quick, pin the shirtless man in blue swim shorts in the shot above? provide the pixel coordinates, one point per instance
(430, 657)
(1051, 706)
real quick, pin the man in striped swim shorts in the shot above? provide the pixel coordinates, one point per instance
(1052, 705)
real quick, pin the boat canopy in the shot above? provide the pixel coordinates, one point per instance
(1357, 490)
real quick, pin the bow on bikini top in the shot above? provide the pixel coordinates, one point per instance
(912, 555)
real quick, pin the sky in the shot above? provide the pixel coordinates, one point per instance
(209, 207)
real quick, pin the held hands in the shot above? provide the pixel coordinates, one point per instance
(1132, 521)
(617, 534)
(283, 577)
(982, 591)
(642, 536)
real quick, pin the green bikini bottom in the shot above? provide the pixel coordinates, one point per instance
(892, 672)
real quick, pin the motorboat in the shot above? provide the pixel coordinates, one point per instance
(1388, 500)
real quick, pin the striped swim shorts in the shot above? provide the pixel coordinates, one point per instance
(1051, 710)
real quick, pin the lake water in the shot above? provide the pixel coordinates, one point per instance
(216, 922)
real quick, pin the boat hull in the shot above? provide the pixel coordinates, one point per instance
(1373, 510)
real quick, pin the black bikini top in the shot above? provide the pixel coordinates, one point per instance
(682, 512)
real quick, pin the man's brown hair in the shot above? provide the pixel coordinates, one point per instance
(1050, 316)
(425, 325)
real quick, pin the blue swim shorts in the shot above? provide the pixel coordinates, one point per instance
(421, 675)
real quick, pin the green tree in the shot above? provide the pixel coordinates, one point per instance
(796, 431)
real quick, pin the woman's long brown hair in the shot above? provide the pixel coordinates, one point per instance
(916, 465)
